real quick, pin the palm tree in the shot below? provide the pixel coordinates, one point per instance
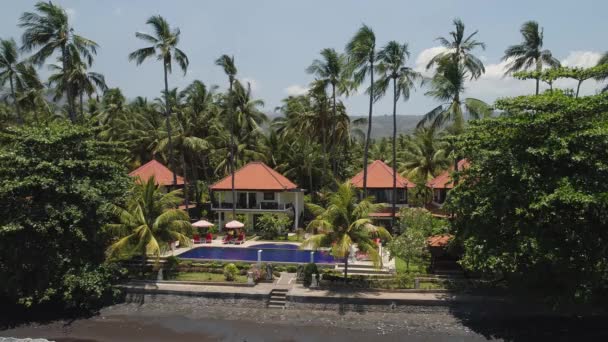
(345, 223)
(227, 63)
(361, 52)
(50, 30)
(392, 61)
(529, 52)
(10, 67)
(149, 222)
(446, 86)
(424, 155)
(164, 48)
(459, 49)
(603, 60)
(330, 72)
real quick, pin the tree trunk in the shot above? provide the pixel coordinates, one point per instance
(369, 124)
(346, 268)
(66, 63)
(81, 106)
(19, 118)
(394, 153)
(186, 197)
(168, 123)
(310, 180)
(232, 156)
(333, 128)
(578, 87)
(539, 68)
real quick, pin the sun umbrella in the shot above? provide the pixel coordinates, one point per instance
(234, 225)
(202, 224)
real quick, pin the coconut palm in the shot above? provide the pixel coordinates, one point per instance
(344, 223)
(447, 85)
(392, 67)
(459, 49)
(227, 63)
(50, 30)
(329, 71)
(10, 70)
(164, 48)
(529, 53)
(603, 60)
(149, 222)
(361, 53)
(424, 155)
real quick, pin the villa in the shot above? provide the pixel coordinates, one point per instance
(443, 183)
(259, 190)
(162, 175)
(380, 186)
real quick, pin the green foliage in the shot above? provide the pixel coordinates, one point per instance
(410, 246)
(170, 268)
(536, 211)
(422, 220)
(272, 226)
(230, 272)
(310, 270)
(55, 184)
(88, 288)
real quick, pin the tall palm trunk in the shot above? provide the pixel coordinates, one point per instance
(394, 152)
(168, 123)
(346, 268)
(186, 199)
(578, 87)
(369, 124)
(81, 106)
(333, 128)
(17, 109)
(232, 156)
(66, 63)
(539, 68)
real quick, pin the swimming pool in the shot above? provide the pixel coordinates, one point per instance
(270, 253)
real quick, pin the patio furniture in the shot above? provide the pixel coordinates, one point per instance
(227, 239)
(209, 238)
(196, 238)
(240, 239)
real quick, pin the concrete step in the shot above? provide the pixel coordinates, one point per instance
(280, 290)
(276, 302)
(363, 270)
(278, 297)
(377, 275)
(366, 266)
(276, 306)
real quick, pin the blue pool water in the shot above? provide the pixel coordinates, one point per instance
(270, 253)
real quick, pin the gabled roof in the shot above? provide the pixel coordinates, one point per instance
(439, 240)
(380, 176)
(256, 176)
(444, 180)
(162, 175)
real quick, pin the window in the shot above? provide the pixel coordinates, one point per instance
(269, 196)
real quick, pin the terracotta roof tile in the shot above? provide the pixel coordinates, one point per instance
(380, 176)
(255, 176)
(162, 175)
(444, 179)
(439, 240)
(385, 212)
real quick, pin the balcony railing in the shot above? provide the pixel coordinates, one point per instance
(252, 206)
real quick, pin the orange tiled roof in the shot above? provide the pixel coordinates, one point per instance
(385, 212)
(444, 180)
(256, 176)
(380, 176)
(439, 240)
(162, 175)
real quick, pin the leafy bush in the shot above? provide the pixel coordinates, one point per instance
(422, 220)
(230, 272)
(272, 226)
(310, 270)
(89, 288)
(171, 267)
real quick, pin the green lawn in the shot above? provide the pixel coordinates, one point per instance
(205, 276)
(401, 267)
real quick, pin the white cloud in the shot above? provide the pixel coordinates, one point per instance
(494, 84)
(582, 59)
(295, 90)
(71, 13)
(118, 11)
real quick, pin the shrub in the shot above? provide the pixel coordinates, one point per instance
(89, 288)
(230, 272)
(272, 226)
(310, 270)
(171, 267)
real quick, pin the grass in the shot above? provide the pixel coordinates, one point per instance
(206, 276)
(401, 267)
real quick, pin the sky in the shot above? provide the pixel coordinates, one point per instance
(273, 41)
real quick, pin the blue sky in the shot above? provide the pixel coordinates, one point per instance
(274, 41)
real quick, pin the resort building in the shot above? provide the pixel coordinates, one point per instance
(162, 175)
(380, 186)
(259, 190)
(443, 183)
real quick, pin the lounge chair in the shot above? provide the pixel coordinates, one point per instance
(227, 239)
(209, 238)
(240, 240)
(196, 238)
